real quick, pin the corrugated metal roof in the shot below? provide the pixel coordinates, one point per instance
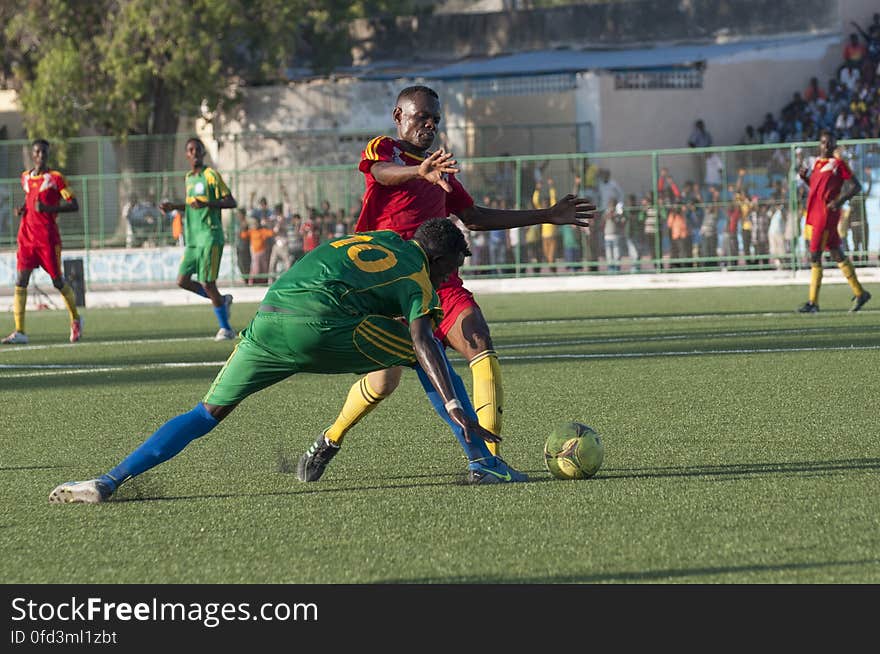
(546, 62)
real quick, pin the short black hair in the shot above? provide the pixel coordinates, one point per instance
(43, 142)
(440, 237)
(410, 91)
(193, 139)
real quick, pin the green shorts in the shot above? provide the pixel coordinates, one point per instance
(203, 261)
(276, 345)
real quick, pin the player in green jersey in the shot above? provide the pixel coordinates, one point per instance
(354, 304)
(206, 195)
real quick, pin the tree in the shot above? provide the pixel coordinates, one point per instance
(137, 66)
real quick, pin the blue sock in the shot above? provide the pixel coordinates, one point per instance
(474, 450)
(165, 443)
(222, 316)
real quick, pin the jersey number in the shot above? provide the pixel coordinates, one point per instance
(359, 244)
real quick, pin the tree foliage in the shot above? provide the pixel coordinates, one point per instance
(125, 67)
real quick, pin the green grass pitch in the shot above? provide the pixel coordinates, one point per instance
(740, 447)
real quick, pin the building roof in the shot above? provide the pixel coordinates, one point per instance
(548, 62)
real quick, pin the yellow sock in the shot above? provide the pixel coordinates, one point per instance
(815, 282)
(488, 395)
(70, 300)
(19, 301)
(360, 401)
(849, 272)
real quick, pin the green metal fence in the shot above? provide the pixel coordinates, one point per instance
(120, 183)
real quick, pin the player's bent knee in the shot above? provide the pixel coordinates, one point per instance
(384, 382)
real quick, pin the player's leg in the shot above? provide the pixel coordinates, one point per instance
(208, 271)
(189, 266)
(860, 295)
(816, 239)
(484, 467)
(19, 306)
(364, 396)
(464, 328)
(380, 345)
(52, 265)
(249, 369)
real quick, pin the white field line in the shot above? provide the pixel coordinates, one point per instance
(42, 370)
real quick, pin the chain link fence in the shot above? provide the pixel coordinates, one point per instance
(674, 210)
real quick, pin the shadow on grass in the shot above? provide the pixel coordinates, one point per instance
(742, 469)
(636, 576)
(142, 490)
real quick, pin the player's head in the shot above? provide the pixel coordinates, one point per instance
(445, 246)
(827, 143)
(195, 152)
(40, 152)
(417, 116)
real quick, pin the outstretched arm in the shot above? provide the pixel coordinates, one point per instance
(570, 210)
(432, 359)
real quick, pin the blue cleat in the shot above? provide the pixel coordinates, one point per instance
(93, 491)
(493, 470)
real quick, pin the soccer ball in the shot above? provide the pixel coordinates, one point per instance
(573, 451)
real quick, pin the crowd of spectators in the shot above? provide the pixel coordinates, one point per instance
(849, 103)
(270, 240)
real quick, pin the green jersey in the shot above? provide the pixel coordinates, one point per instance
(372, 273)
(203, 226)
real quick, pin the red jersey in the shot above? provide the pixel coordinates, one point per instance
(404, 207)
(37, 227)
(826, 181)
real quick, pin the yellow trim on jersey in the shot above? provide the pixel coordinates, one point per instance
(370, 150)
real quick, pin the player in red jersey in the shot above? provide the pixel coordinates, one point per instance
(405, 186)
(39, 241)
(831, 184)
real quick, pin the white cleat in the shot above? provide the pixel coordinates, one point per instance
(80, 492)
(15, 338)
(224, 335)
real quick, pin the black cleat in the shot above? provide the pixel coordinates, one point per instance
(860, 301)
(312, 464)
(809, 307)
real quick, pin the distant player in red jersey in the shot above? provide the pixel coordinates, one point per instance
(407, 185)
(831, 184)
(39, 241)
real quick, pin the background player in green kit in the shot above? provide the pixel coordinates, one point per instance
(206, 195)
(336, 310)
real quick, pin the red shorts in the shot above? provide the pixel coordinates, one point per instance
(44, 255)
(454, 298)
(823, 236)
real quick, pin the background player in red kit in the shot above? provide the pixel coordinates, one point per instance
(406, 186)
(39, 241)
(831, 184)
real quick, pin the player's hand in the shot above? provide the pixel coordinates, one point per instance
(436, 165)
(22, 210)
(472, 428)
(572, 210)
(166, 206)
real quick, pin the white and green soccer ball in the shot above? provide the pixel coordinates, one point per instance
(573, 451)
